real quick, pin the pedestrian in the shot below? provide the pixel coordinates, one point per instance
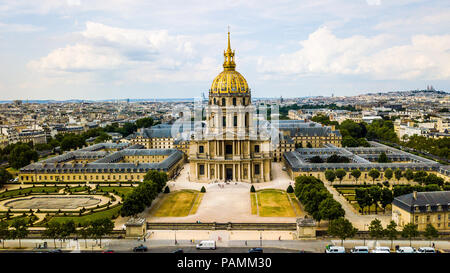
(245, 242)
(279, 238)
(433, 245)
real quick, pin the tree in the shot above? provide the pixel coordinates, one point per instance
(374, 173)
(22, 155)
(330, 209)
(362, 198)
(410, 231)
(375, 195)
(5, 176)
(316, 159)
(85, 232)
(398, 174)
(382, 158)
(101, 227)
(309, 145)
(52, 231)
(20, 230)
(340, 174)
(290, 189)
(386, 198)
(391, 232)
(341, 228)
(67, 228)
(144, 122)
(330, 175)
(431, 232)
(252, 189)
(375, 229)
(356, 173)
(4, 232)
(203, 189)
(409, 174)
(160, 178)
(388, 173)
(167, 189)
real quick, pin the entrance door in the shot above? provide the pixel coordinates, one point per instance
(229, 174)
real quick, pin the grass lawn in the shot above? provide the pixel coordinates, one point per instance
(177, 204)
(253, 202)
(274, 203)
(197, 202)
(122, 191)
(295, 202)
(109, 213)
(29, 189)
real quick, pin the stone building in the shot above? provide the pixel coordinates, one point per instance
(230, 148)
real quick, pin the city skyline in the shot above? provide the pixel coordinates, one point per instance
(92, 51)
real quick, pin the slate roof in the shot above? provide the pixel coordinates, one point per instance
(425, 200)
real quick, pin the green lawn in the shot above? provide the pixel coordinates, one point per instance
(29, 189)
(253, 203)
(197, 202)
(176, 204)
(274, 203)
(109, 213)
(122, 191)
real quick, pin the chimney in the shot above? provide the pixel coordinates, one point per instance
(415, 195)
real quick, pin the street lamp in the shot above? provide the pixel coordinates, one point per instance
(260, 238)
(364, 234)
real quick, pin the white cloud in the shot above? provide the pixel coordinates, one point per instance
(373, 2)
(427, 57)
(19, 28)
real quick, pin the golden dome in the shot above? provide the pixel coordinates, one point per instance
(229, 81)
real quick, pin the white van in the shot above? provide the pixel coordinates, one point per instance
(334, 249)
(381, 249)
(406, 249)
(206, 245)
(360, 249)
(426, 250)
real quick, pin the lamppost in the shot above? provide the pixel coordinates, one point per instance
(364, 234)
(260, 238)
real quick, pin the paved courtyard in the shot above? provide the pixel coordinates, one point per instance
(52, 202)
(224, 202)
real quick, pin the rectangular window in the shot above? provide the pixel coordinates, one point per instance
(224, 121)
(201, 169)
(256, 148)
(201, 149)
(229, 149)
(257, 169)
(235, 121)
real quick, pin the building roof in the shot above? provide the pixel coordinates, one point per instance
(432, 199)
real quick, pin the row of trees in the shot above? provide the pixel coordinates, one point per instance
(143, 195)
(366, 197)
(19, 154)
(421, 177)
(439, 147)
(54, 230)
(343, 229)
(318, 202)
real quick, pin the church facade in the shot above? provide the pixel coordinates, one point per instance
(231, 148)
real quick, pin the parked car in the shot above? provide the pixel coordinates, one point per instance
(255, 250)
(381, 249)
(56, 250)
(360, 249)
(334, 249)
(406, 249)
(108, 251)
(140, 248)
(426, 250)
(206, 245)
(178, 251)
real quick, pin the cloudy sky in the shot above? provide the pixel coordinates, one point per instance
(114, 49)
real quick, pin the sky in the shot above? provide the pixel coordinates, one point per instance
(117, 49)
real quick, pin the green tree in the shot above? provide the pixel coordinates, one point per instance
(330, 209)
(252, 189)
(356, 173)
(160, 178)
(290, 189)
(431, 232)
(410, 231)
(398, 174)
(20, 230)
(85, 232)
(4, 231)
(341, 228)
(386, 198)
(391, 232)
(5, 176)
(362, 198)
(309, 145)
(22, 155)
(67, 228)
(388, 173)
(375, 195)
(383, 158)
(52, 231)
(340, 174)
(374, 173)
(101, 227)
(376, 229)
(409, 174)
(330, 175)
(144, 122)
(203, 189)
